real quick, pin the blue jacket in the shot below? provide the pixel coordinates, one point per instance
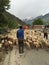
(20, 34)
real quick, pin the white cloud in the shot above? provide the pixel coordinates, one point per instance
(29, 8)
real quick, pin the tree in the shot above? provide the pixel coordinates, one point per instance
(37, 22)
(4, 5)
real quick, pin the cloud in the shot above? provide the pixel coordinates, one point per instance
(29, 8)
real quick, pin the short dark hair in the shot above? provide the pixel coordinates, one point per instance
(20, 27)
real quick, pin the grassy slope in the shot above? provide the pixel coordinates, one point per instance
(12, 20)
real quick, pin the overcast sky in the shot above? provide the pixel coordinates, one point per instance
(29, 8)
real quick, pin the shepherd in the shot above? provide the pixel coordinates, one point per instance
(20, 36)
(45, 32)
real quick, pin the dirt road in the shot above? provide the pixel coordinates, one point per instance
(30, 57)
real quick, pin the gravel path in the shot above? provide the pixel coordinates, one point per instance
(30, 57)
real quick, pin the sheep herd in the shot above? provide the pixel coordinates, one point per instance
(35, 39)
(32, 39)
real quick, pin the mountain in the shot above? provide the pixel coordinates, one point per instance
(45, 18)
(28, 21)
(12, 21)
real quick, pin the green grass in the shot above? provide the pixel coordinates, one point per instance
(11, 21)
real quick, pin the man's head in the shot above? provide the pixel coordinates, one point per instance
(20, 27)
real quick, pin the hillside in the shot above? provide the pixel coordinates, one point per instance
(12, 21)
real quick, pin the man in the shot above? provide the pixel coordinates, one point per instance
(20, 36)
(45, 32)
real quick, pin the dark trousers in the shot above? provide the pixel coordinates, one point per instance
(46, 35)
(21, 46)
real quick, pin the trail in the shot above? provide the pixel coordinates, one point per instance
(29, 57)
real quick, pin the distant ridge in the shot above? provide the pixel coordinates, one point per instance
(45, 18)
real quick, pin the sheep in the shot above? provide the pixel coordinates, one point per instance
(27, 45)
(47, 43)
(0, 45)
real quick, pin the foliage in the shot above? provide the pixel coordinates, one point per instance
(48, 22)
(7, 20)
(11, 21)
(4, 5)
(37, 22)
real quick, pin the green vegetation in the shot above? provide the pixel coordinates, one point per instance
(37, 21)
(7, 20)
(4, 5)
(12, 20)
(48, 22)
